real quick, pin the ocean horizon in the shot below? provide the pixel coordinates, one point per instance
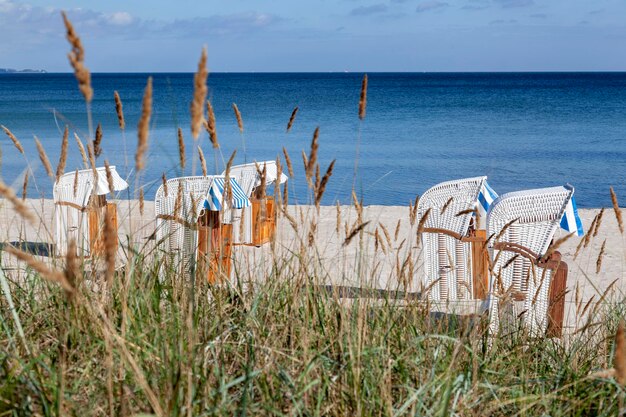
(522, 129)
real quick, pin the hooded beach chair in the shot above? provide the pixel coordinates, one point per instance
(79, 207)
(189, 226)
(522, 226)
(454, 263)
(259, 219)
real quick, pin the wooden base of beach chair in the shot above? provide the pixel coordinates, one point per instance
(480, 265)
(214, 247)
(263, 221)
(556, 295)
(97, 213)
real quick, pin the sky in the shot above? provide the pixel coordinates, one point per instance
(319, 35)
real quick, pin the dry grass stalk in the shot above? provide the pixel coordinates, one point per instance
(144, 127)
(312, 160)
(119, 110)
(618, 212)
(397, 231)
(72, 269)
(210, 126)
(77, 60)
(202, 161)
(92, 161)
(181, 148)
(178, 204)
(25, 186)
(63, 157)
(317, 177)
(277, 191)
(323, 183)
(41, 268)
(619, 360)
(97, 143)
(422, 223)
(199, 95)
(589, 234)
(228, 189)
(44, 158)
(75, 189)
(109, 174)
(363, 98)
(292, 118)
(15, 141)
(260, 190)
(386, 233)
(305, 160)
(446, 205)
(312, 230)
(288, 162)
(286, 194)
(598, 223)
(354, 232)
(337, 227)
(238, 116)
(81, 149)
(141, 201)
(555, 246)
(600, 257)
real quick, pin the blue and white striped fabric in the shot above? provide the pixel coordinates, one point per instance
(571, 220)
(486, 197)
(215, 196)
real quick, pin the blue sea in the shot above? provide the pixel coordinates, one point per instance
(522, 130)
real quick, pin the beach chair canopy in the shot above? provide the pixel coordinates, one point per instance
(86, 185)
(523, 225)
(451, 205)
(248, 176)
(215, 197)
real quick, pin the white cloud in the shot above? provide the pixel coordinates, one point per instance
(426, 6)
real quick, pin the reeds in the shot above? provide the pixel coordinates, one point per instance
(238, 116)
(164, 181)
(141, 201)
(210, 126)
(25, 186)
(109, 175)
(319, 192)
(97, 142)
(199, 95)
(110, 247)
(77, 60)
(81, 149)
(311, 161)
(16, 142)
(181, 148)
(202, 161)
(119, 110)
(618, 212)
(144, 127)
(44, 158)
(288, 162)
(63, 156)
(363, 98)
(600, 257)
(292, 118)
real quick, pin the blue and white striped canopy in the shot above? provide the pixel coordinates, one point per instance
(486, 197)
(571, 220)
(215, 196)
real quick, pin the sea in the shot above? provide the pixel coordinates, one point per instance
(522, 130)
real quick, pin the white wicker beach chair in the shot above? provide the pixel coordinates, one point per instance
(446, 252)
(521, 226)
(71, 218)
(175, 226)
(249, 179)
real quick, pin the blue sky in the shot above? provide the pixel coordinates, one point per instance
(320, 35)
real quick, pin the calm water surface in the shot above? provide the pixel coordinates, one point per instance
(522, 130)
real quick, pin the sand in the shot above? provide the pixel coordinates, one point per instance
(357, 264)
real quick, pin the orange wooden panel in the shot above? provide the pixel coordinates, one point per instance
(480, 265)
(214, 247)
(556, 297)
(263, 220)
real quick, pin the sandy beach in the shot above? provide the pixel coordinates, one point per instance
(358, 264)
